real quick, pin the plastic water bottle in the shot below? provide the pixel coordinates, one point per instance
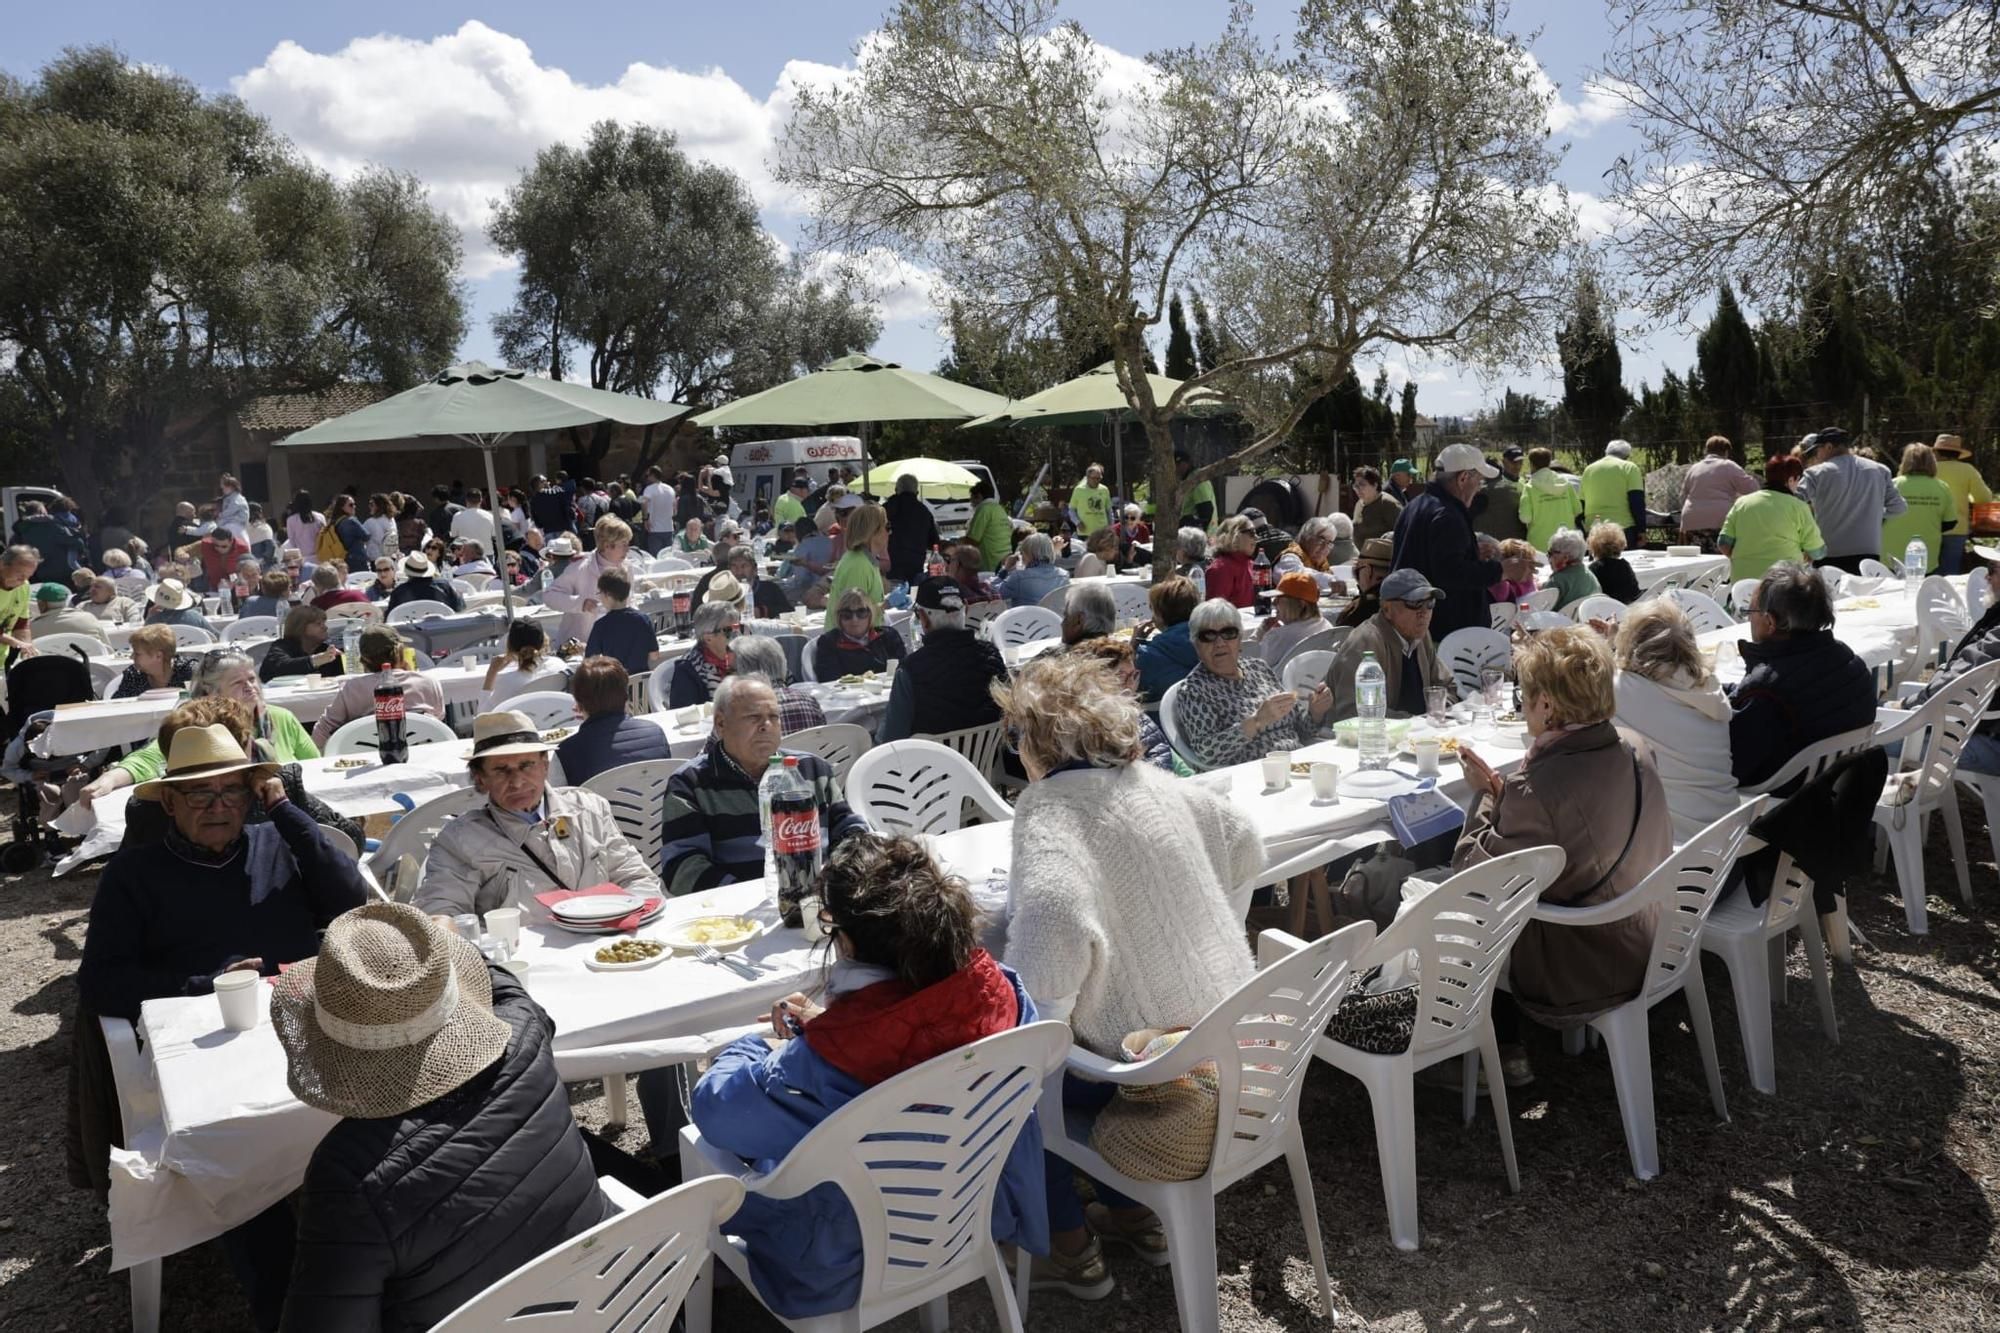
(1916, 560)
(350, 646)
(774, 774)
(1371, 706)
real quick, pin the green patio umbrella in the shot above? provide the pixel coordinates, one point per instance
(482, 406)
(857, 389)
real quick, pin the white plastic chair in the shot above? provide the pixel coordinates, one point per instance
(839, 743)
(1875, 569)
(473, 582)
(1941, 618)
(627, 1273)
(1466, 652)
(1936, 733)
(250, 627)
(1740, 593)
(360, 578)
(669, 564)
(1131, 600)
(1170, 723)
(192, 636)
(411, 837)
(368, 613)
(1460, 932)
(637, 796)
(61, 645)
(337, 839)
(1712, 583)
(1703, 612)
(1320, 640)
(1056, 600)
(1666, 583)
(1684, 889)
(544, 708)
(920, 787)
(1833, 578)
(980, 745)
(1503, 615)
(1023, 624)
(1597, 606)
(660, 686)
(950, 1121)
(1541, 599)
(1536, 620)
(422, 608)
(358, 736)
(1260, 1042)
(1975, 595)
(1307, 668)
(144, 1132)
(1742, 933)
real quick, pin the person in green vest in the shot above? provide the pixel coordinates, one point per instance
(1930, 509)
(1614, 491)
(1090, 502)
(1197, 501)
(790, 507)
(1771, 527)
(990, 529)
(1547, 501)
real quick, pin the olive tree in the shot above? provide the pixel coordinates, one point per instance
(1384, 180)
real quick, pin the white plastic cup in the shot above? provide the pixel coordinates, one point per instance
(238, 993)
(1326, 782)
(809, 910)
(1277, 770)
(1426, 749)
(504, 925)
(889, 668)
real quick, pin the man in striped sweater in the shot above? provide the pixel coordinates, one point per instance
(712, 830)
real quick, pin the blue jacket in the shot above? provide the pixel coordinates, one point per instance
(1027, 585)
(1163, 659)
(805, 1253)
(1434, 537)
(605, 741)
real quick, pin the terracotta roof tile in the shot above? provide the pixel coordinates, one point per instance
(296, 411)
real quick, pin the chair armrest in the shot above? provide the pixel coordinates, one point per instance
(1599, 914)
(1893, 724)
(1311, 858)
(622, 1196)
(1274, 944)
(1162, 1068)
(1905, 692)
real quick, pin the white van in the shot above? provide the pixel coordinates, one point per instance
(10, 503)
(761, 470)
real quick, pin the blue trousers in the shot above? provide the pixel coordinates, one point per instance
(1951, 554)
(1065, 1204)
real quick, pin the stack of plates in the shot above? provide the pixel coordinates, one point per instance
(602, 913)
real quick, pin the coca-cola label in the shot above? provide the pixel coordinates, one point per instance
(681, 602)
(794, 832)
(389, 706)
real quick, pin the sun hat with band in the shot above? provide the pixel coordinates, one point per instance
(202, 752)
(505, 732)
(1949, 446)
(417, 565)
(395, 1012)
(1377, 551)
(169, 595)
(724, 588)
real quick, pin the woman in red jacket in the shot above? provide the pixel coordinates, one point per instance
(1229, 568)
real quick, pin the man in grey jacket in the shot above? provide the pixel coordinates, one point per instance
(1400, 637)
(1849, 497)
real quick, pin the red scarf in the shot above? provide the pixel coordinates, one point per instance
(879, 1031)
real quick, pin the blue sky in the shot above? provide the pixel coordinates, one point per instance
(464, 107)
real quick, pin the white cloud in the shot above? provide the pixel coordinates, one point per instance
(898, 288)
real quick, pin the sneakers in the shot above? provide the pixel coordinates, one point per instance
(1147, 1239)
(1082, 1275)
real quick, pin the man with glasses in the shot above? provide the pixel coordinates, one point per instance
(1399, 635)
(946, 685)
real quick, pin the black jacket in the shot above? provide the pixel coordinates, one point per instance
(1826, 827)
(404, 1219)
(946, 685)
(62, 547)
(767, 599)
(834, 657)
(1980, 645)
(288, 657)
(1794, 693)
(1434, 536)
(425, 590)
(1616, 579)
(913, 531)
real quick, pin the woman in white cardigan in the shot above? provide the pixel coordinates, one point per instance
(1668, 697)
(574, 592)
(1118, 917)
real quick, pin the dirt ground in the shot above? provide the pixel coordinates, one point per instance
(1861, 1196)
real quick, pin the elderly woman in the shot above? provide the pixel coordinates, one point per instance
(1515, 550)
(1296, 615)
(525, 667)
(1584, 789)
(1608, 566)
(1191, 557)
(104, 601)
(1088, 612)
(702, 667)
(530, 836)
(1321, 544)
(1567, 571)
(574, 593)
(1100, 554)
(273, 597)
(608, 736)
(1033, 573)
(758, 655)
(908, 983)
(1118, 910)
(865, 532)
(1135, 535)
(1231, 708)
(385, 579)
(1772, 527)
(856, 645)
(155, 664)
(1375, 510)
(1668, 697)
(302, 648)
(1117, 654)
(1229, 570)
(1166, 652)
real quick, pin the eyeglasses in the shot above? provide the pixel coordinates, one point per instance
(201, 798)
(730, 631)
(1225, 635)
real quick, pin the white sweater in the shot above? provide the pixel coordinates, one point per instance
(1687, 729)
(1119, 914)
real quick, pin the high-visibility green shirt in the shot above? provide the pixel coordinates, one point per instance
(1092, 505)
(1967, 488)
(1929, 506)
(857, 569)
(1607, 487)
(1768, 527)
(16, 609)
(1200, 494)
(992, 532)
(1547, 503)
(787, 510)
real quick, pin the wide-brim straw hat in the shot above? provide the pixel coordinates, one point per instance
(201, 752)
(417, 565)
(724, 588)
(1950, 444)
(395, 1012)
(506, 732)
(169, 595)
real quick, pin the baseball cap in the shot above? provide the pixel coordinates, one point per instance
(939, 593)
(1831, 435)
(1464, 458)
(1377, 551)
(51, 592)
(1409, 585)
(1513, 452)
(1300, 585)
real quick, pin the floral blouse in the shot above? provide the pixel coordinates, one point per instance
(1210, 710)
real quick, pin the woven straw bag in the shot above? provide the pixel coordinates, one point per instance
(1159, 1131)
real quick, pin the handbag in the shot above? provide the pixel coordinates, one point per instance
(1159, 1131)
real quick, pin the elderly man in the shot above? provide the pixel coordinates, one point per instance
(1403, 484)
(759, 655)
(1497, 511)
(1800, 684)
(1614, 491)
(1090, 501)
(790, 507)
(913, 531)
(1399, 636)
(329, 591)
(1089, 612)
(421, 584)
(1850, 498)
(761, 598)
(53, 615)
(1434, 537)
(106, 603)
(712, 832)
(382, 656)
(1371, 565)
(608, 736)
(946, 685)
(469, 557)
(529, 837)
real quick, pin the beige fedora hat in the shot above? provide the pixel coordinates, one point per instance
(169, 595)
(393, 1013)
(724, 588)
(506, 732)
(201, 752)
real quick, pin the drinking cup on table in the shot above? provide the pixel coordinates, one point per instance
(687, 717)
(1437, 703)
(1277, 770)
(1326, 781)
(1426, 749)
(504, 925)
(889, 668)
(239, 993)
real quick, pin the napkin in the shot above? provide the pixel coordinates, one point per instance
(555, 896)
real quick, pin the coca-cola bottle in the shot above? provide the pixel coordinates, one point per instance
(392, 746)
(683, 609)
(797, 845)
(1260, 572)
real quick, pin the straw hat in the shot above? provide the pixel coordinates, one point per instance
(506, 732)
(1950, 444)
(417, 565)
(169, 595)
(563, 545)
(724, 588)
(393, 1013)
(201, 752)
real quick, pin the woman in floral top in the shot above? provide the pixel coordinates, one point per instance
(1231, 708)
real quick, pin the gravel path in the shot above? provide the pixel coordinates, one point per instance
(1862, 1195)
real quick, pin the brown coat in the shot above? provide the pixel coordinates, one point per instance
(1577, 793)
(1376, 635)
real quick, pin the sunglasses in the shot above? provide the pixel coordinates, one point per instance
(1423, 605)
(857, 613)
(1212, 635)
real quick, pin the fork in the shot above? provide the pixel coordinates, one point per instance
(707, 953)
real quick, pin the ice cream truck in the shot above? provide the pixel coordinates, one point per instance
(761, 470)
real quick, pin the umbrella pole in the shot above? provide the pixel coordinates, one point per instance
(1118, 455)
(487, 446)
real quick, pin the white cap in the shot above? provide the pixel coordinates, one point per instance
(1464, 458)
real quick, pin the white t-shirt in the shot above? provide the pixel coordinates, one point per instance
(659, 501)
(473, 525)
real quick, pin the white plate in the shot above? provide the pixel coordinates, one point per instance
(1375, 784)
(608, 928)
(598, 907)
(676, 934)
(590, 961)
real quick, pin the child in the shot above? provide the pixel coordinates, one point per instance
(622, 632)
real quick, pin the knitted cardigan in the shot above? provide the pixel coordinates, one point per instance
(1119, 915)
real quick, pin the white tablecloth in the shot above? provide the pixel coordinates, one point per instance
(840, 703)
